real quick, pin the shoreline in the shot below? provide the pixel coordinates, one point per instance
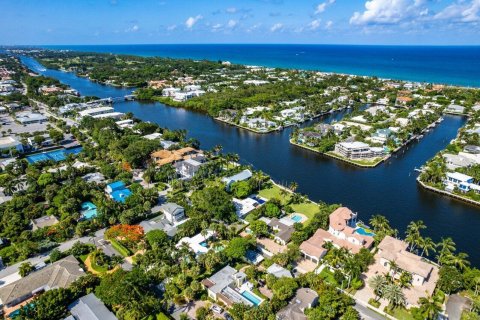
(446, 193)
(78, 48)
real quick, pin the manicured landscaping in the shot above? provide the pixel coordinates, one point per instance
(120, 248)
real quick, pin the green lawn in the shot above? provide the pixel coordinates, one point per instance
(274, 192)
(307, 208)
(120, 248)
(402, 314)
(327, 275)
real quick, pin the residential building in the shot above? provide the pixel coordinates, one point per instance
(187, 168)
(455, 161)
(89, 307)
(159, 223)
(42, 222)
(395, 250)
(357, 150)
(173, 212)
(461, 181)
(59, 274)
(244, 206)
(282, 229)
(455, 108)
(279, 271)
(162, 157)
(198, 243)
(242, 176)
(304, 298)
(96, 112)
(229, 287)
(118, 191)
(342, 232)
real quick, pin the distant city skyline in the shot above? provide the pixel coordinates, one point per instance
(430, 22)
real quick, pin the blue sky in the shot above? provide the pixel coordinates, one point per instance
(444, 22)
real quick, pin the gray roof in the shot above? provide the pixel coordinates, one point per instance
(89, 307)
(45, 221)
(244, 175)
(159, 223)
(222, 279)
(279, 271)
(59, 274)
(455, 306)
(171, 208)
(304, 298)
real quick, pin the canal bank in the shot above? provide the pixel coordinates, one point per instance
(389, 189)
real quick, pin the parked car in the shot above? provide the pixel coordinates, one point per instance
(216, 309)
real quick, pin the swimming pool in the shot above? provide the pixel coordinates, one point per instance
(296, 218)
(203, 244)
(89, 210)
(363, 232)
(55, 155)
(251, 297)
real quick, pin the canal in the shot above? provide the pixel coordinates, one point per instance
(389, 189)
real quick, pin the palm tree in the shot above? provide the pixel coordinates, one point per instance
(460, 260)
(394, 268)
(378, 283)
(293, 186)
(413, 236)
(405, 279)
(430, 307)
(447, 247)
(352, 269)
(427, 245)
(379, 222)
(394, 295)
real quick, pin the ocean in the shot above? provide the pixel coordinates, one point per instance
(453, 65)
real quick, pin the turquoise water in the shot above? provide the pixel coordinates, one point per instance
(457, 65)
(363, 232)
(89, 210)
(203, 244)
(121, 195)
(55, 155)
(251, 297)
(296, 218)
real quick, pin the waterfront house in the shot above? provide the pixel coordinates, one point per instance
(59, 274)
(472, 149)
(461, 181)
(357, 150)
(229, 286)
(162, 157)
(242, 176)
(391, 249)
(42, 222)
(173, 212)
(304, 298)
(454, 161)
(455, 108)
(89, 307)
(342, 232)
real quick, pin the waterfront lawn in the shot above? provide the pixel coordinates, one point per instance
(362, 163)
(309, 209)
(274, 192)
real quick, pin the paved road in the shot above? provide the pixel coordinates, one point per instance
(368, 314)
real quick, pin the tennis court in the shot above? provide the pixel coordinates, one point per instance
(55, 155)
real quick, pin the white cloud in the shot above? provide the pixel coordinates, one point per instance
(191, 21)
(461, 12)
(232, 23)
(133, 28)
(322, 6)
(254, 27)
(231, 10)
(276, 27)
(216, 27)
(328, 25)
(314, 25)
(172, 27)
(388, 12)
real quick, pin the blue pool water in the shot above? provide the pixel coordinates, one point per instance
(251, 297)
(363, 232)
(89, 210)
(203, 244)
(121, 195)
(55, 155)
(296, 218)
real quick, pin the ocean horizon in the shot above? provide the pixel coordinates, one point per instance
(451, 65)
